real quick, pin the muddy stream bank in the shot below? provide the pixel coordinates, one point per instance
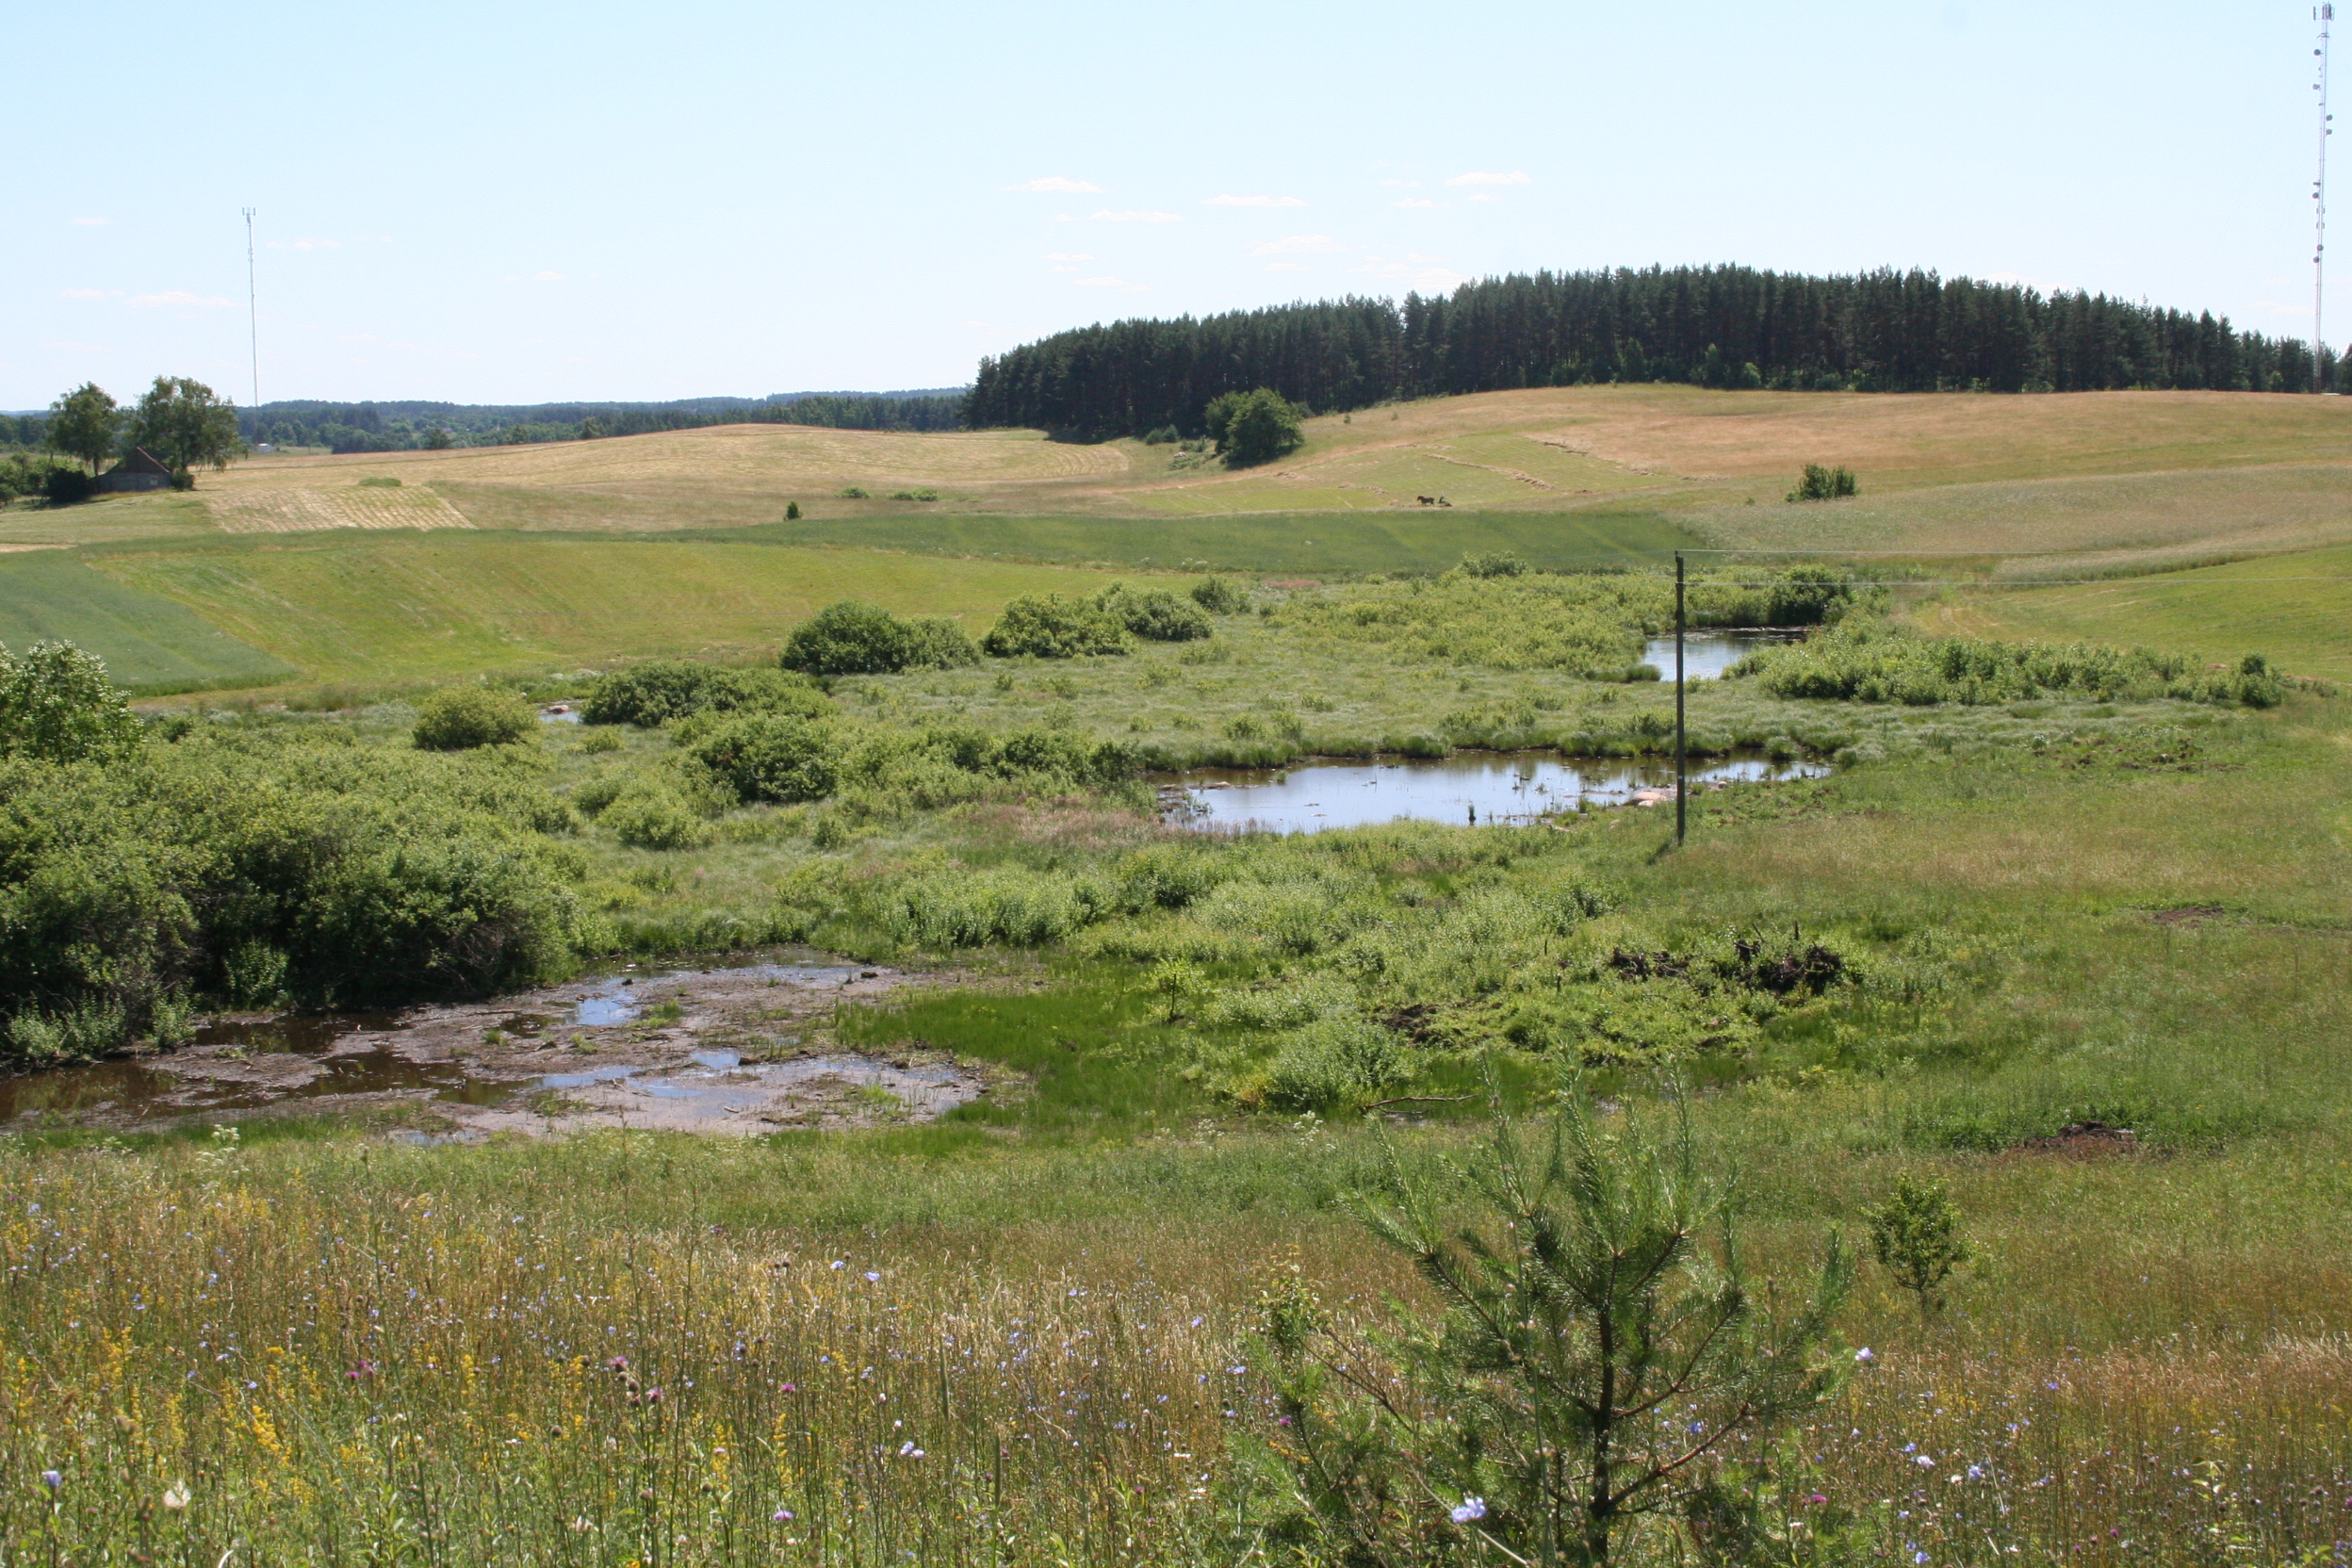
(739, 1047)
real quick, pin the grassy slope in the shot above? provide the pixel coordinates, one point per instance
(1418, 541)
(149, 642)
(406, 605)
(2297, 608)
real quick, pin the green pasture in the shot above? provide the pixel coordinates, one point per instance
(2297, 608)
(1340, 543)
(150, 642)
(405, 606)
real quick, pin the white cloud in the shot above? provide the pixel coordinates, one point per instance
(1121, 284)
(81, 293)
(1066, 261)
(92, 222)
(545, 276)
(1253, 202)
(1478, 176)
(1060, 184)
(1298, 245)
(1133, 216)
(1482, 196)
(1427, 275)
(1419, 202)
(181, 297)
(1286, 267)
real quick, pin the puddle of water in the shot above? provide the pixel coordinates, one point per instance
(720, 1084)
(615, 1004)
(559, 712)
(1471, 790)
(1706, 655)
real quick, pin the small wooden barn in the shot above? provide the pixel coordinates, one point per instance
(142, 470)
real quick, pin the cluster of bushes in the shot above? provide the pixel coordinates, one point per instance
(23, 475)
(253, 869)
(1492, 611)
(850, 638)
(1869, 662)
(653, 694)
(1048, 625)
(1818, 483)
(464, 717)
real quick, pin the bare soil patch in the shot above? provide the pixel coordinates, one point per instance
(738, 1048)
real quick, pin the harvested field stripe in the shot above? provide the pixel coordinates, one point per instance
(304, 511)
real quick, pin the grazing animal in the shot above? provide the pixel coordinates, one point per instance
(1443, 501)
(1427, 501)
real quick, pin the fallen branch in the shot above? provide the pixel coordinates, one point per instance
(1418, 1100)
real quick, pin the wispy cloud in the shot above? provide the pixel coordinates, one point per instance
(1060, 184)
(1253, 202)
(81, 293)
(1135, 216)
(1298, 245)
(1427, 275)
(180, 299)
(1483, 176)
(92, 222)
(1286, 267)
(1403, 185)
(1418, 201)
(543, 275)
(1066, 261)
(1120, 285)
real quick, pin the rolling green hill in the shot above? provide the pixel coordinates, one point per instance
(150, 644)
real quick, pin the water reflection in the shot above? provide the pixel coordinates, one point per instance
(1473, 789)
(1706, 655)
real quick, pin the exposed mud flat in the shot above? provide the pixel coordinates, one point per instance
(742, 1046)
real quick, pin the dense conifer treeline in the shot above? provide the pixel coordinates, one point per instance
(1716, 326)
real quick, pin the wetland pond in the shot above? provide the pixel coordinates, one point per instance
(739, 1046)
(1473, 788)
(1706, 655)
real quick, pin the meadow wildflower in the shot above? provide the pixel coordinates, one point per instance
(52, 1480)
(1470, 1508)
(175, 1497)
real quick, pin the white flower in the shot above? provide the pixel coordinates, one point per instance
(1472, 1508)
(1925, 1462)
(176, 1497)
(1864, 1356)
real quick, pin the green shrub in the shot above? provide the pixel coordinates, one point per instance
(1253, 427)
(1589, 623)
(56, 704)
(850, 638)
(464, 717)
(656, 692)
(1333, 1061)
(1155, 614)
(1221, 596)
(65, 487)
(771, 756)
(1494, 563)
(853, 492)
(1806, 595)
(1051, 626)
(1166, 436)
(653, 817)
(1818, 483)
(598, 742)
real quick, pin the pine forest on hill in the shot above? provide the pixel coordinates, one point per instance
(1725, 326)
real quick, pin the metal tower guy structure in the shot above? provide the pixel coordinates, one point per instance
(2322, 14)
(253, 318)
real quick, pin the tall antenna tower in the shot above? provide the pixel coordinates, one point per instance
(2322, 14)
(253, 317)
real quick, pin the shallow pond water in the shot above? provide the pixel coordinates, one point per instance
(485, 1066)
(1706, 655)
(1474, 790)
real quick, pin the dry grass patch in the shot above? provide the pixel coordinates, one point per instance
(311, 510)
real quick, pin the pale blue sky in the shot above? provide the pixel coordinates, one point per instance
(523, 201)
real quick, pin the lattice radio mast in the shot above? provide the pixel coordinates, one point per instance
(2322, 14)
(252, 317)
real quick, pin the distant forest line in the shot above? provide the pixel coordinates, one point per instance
(392, 427)
(1730, 327)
